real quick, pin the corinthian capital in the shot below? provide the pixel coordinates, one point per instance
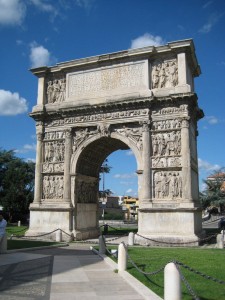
(185, 122)
(145, 126)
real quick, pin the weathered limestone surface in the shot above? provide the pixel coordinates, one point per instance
(142, 99)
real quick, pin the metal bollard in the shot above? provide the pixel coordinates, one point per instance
(102, 248)
(122, 257)
(19, 223)
(131, 239)
(172, 282)
(58, 236)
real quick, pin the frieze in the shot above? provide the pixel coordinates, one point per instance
(53, 167)
(166, 124)
(107, 116)
(167, 185)
(166, 144)
(53, 187)
(164, 74)
(166, 162)
(54, 135)
(171, 110)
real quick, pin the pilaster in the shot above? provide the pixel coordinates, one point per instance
(147, 184)
(68, 153)
(38, 170)
(186, 160)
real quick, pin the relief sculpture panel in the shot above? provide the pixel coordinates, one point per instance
(164, 74)
(53, 187)
(56, 90)
(134, 133)
(166, 144)
(167, 185)
(87, 192)
(54, 151)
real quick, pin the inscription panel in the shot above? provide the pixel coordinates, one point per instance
(104, 81)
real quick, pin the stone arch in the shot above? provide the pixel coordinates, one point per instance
(138, 99)
(85, 166)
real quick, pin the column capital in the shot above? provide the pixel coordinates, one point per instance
(185, 122)
(68, 133)
(145, 126)
(40, 136)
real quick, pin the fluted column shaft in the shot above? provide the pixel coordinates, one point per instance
(38, 170)
(147, 195)
(67, 159)
(186, 161)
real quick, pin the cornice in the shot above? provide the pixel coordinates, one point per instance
(42, 112)
(148, 52)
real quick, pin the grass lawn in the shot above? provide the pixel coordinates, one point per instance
(20, 244)
(208, 261)
(119, 231)
(15, 230)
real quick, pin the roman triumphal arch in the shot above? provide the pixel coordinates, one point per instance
(142, 99)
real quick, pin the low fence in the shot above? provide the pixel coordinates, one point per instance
(173, 275)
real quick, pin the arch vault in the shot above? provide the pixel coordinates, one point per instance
(142, 99)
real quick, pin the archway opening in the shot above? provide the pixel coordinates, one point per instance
(87, 180)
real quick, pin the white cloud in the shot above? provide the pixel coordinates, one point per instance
(40, 56)
(206, 166)
(125, 176)
(12, 12)
(30, 159)
(147, 39)
(129, 191)
(12, 104)
(27, 148)
(213, 19)
(212, 120)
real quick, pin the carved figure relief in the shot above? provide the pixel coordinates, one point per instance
(167, 185)
(165, 162)
(87, 192)
(80, 135)
(171, 110)
(54, 135)
(164, 74)
(53, 187)
(166, 144)
(166, 124)
(104, 129)
(56, 91)
(53, 167)
(134, 133)
(54, 151)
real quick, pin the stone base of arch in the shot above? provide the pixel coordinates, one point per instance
(79, 222)
(156, 227)
(45, 220)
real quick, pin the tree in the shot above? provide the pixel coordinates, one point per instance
(16, 184)
(214, 193)
(105, 168)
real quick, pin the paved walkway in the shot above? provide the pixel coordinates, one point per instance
(69, 273)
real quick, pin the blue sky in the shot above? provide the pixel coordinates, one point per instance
(42, 32)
